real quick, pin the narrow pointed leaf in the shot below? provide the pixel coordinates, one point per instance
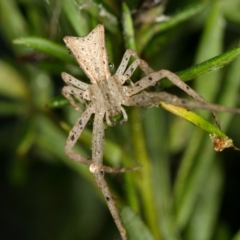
(46, 46)
(136, 229)
(220, 140)
(208, 66)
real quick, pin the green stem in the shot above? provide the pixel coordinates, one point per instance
(144, 184)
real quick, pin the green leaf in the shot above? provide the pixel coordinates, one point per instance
(16, 87)
(13, 21)
(193, 118)
(58, 102)
(220, 140)
(136, 229)
(46, 46)
(196, 161)
(77, 17)
(205, 67)
(128, 29)
(139, 144)
(237, 236)
(231, 11)
(143, 35)
(207, 209)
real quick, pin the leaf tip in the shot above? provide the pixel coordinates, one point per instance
(220, 143)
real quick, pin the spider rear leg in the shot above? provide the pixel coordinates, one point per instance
(96, 169)
(99, 177)
(74, 135)
(154, 77)
(144, 99)
(98, 139)
(119, 170)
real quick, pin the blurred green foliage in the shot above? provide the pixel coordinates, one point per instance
(185, 190)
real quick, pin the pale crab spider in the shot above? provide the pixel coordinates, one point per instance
(105, 97)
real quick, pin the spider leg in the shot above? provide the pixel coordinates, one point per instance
(153, 98)
(154, 77)
(99, 177)
(98, 144)
(74, 87)
(96, 169)
(118, 170)
(109, 122)
(68, 91)
(70, 80)
(74, 135)
(138, 62)
(98, 139)
(125, 116)
(112, 123)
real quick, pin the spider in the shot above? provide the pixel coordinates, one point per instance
(105, 96)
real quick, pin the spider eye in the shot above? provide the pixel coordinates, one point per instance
(111, 65)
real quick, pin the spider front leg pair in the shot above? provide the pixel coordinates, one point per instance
(74, 87)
